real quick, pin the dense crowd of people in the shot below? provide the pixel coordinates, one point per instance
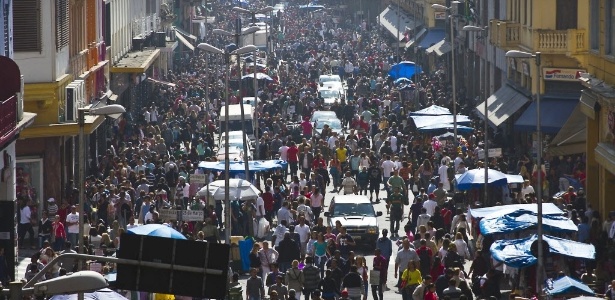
(156, 148)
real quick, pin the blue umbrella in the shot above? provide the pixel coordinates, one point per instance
(104, 294)
(476, 178)
(158, 230)
(403, 69)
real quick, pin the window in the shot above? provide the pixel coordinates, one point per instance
(610, 27)
(62, 24)
(594, 24)
(27, 26)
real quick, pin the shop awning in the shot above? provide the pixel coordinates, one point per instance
(61, 129)
(571, 139)
(501, 105)
(136, 62)
(433, 36)
(588, 104)
(169, 84)
(440, 48)
(184, 41)
(417, 37)
(184, 33)
(395, 21)
(605, 156)
(553, 115)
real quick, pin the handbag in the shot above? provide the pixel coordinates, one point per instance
(374, 277)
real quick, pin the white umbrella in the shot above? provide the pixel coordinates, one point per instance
(238, 189)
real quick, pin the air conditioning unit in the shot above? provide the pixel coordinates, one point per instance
(75, 99)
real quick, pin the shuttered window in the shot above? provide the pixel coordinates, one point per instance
(62, 24)
(27, 26)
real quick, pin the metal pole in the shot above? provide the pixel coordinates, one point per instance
(486, 97)
(539, 266)
(398, 20)
(227, 163)
(81, 120)
(450, 13)
(243, 116)
(256, 131)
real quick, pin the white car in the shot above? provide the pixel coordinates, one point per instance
(235, 154)
(233, 135)
(328, 79)
(335, 125)
(322, 114)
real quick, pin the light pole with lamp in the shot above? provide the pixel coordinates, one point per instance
(485, 33)
(114, 111)
(227, 164)
(539, 266)
(237, 36)
(253, 13)
(453, 77)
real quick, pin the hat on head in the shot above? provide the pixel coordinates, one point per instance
(344, 293)
(432, 196)
(51, 200)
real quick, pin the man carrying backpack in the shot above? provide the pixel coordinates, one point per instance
(425, 257)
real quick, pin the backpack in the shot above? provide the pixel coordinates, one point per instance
(425, 259)
(126, 211)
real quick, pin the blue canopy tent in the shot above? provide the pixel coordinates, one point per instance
(237, 168)
(500, 210)
(423, 121)
(311, 7)
(158, 230)
(522, 220)
(567, 286)
(518, 254)
(433, 110)
(476, 178)
(446, 127)
(404, 69)
(402, 80)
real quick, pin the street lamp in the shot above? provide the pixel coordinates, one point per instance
(114, 111)
(237, 36)
(536, 56)
(253, 13)
(78, 282)
(227, 164)
(483, 30)
(453, 78)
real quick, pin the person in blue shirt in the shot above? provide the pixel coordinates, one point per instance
(385, 245)
(583, 230)
(432, 186)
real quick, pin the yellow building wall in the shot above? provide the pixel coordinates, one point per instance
(45, 99)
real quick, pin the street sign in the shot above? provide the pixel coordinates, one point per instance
(177, 253)
(182, 215)
(198, 178)
(495, 152)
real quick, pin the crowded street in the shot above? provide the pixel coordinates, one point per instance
(335, 154)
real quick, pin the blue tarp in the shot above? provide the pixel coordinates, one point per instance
(433, 36)
(500, 210)
(244, 252)
(433, 110)
(404, 69)
(158, 230)
(553, 113)
(423, 121)
(446, 127)
(517, 253)
(475, 178)
(238, 167)
(567, 286)
(522, 220)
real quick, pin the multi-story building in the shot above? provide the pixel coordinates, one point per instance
(598, 105)
(13, 120)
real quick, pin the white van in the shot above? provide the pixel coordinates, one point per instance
(234, 119)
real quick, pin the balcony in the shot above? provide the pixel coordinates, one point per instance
(504, 34)
(79, 64)
(510, 35)
(8, 118)
(568, 42)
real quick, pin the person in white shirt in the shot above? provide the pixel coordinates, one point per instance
(304, 234)
(331, 141)
(25, 225)
(267, 257)
(349, 184)
(387, 167)
(393, 140)
(526, 189)
(443, 173)
(458, 160)
(285, 215)
(430, 204)
(279, 232)
(72, 223)
(260, 206)
(284, 153)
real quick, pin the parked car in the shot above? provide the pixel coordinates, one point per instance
(357, 215)
(322, 114)
(235, 153)
(335, 125)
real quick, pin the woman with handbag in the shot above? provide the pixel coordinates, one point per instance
(363, 270)
(377, 276)
(410, 279)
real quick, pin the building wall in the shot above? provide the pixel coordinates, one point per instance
(121, 29)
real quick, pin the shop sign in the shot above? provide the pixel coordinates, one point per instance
(560, 74)
(198, 178)
(440, 15)
(183, 215)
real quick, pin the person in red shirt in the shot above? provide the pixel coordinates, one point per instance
(318, 162)
(59, 232)
(292, 158)
(268, 201)
(307, 127)
(380, 264)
